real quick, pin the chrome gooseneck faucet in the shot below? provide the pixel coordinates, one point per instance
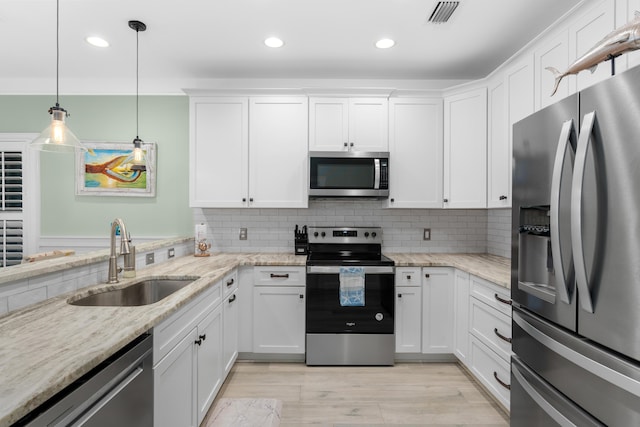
(124, 248)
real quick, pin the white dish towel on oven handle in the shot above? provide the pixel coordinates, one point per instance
(352, 286)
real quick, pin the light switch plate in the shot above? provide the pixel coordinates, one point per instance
(149, 258)
(243, 234)
(426, 234)
(171, 252)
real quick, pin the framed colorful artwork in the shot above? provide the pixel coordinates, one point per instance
(108, 169)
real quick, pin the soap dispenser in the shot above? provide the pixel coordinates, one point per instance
(130, 261)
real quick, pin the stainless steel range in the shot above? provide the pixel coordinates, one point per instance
(350, 298)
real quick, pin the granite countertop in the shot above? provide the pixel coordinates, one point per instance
(493, 268)
(47, 346)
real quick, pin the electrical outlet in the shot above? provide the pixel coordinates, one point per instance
(171, 252)
(243, 234)
(426, 234)
(149, 258)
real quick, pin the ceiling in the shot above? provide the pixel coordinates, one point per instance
(191, 40)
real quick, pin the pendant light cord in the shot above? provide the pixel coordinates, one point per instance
(57, 52)
(137, 80)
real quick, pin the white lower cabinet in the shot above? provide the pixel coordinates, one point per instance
(210, 372)
(461, 326)
(188, 367)
(408, 313)
(490, 337)
(174, 386)
(279, 310)
(231, 317)
(437, 310)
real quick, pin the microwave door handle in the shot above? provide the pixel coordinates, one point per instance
(376, 179)
(567, 135)
(576, 211)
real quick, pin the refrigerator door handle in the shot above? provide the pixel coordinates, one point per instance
(576, 211)
(567, 134)
(540, 401)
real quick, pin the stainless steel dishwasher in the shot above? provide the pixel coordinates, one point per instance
(118, 392)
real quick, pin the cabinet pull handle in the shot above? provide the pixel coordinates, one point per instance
(301, 296)
(503, 384)
(232, 299)
(502, 300)
(503, 197)
(279, 276)
(502, 337)
(427, 275)
(202, 337)
(230, 282)
(199, 342)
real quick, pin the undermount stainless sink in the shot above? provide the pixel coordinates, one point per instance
(143, 292)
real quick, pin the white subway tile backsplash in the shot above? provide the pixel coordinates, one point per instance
(26, 298)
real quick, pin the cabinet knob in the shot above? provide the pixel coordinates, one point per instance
(251, 199)
(427, 275)
(351, 144)
(203, 337)
(408, 277)
(399, 295)
(446, 200)
(503, 197)
(199, 342)
(346, 144)
(392, 200)
(301, 296)
(244, 199)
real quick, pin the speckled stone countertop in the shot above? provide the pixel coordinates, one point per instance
(493, 268)
(47, 346)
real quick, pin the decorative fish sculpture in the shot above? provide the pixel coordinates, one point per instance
(619, 41)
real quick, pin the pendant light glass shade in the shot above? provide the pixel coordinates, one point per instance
(57, 137)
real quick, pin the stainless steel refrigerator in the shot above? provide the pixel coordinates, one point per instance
(575, 279)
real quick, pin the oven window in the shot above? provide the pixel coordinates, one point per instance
(336, 173)
(324, 314)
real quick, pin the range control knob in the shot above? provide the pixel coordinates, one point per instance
(373, 234)
(366, 234)
(315, 234)
(323, 234)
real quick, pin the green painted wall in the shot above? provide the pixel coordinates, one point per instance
(163, 120)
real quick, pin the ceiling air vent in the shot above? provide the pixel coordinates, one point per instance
(443, 11)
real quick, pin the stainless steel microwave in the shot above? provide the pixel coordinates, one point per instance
(348, 174)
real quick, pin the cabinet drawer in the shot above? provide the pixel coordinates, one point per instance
(492, 327)
(491, 294)
(493, 372)
(171, 330)
(230, 283)
(279, 276)
(408, 276)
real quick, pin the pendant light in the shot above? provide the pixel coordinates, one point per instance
(139, 158)
(57, 137)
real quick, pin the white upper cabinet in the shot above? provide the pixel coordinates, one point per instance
(278, 154)
(585, 33)
(415, 147)
(341, 124)
(499, 152)
(465, 150)
(240, 162)
(554, 52)
(218, 152)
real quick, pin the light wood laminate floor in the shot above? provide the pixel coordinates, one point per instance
(416, 394)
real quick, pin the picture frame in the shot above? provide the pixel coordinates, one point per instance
(105, 170)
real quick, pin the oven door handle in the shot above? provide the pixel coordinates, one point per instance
(316, 269)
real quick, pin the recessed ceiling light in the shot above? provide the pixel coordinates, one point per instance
(97, 41)
(274, 42)
(385, 43)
